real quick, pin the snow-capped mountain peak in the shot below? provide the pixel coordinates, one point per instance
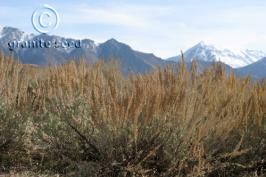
(210, 53)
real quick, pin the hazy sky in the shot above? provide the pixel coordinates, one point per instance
(162, 27)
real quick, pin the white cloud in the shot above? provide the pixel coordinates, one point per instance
(135, 16)
(161, 29)
(101, 16)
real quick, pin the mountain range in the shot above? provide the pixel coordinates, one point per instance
(243, 63)
(129, 59)
(210, 53)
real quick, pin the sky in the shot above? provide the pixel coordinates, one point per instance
(162, 27)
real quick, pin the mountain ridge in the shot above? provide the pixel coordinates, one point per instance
(131, 60)
(210, 53)
(255, 70)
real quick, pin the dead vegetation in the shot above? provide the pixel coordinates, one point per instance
(90, 120)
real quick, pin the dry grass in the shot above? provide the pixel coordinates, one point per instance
(90, 120)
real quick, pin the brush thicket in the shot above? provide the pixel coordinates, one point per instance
(87, 120)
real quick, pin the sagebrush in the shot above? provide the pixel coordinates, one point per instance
(90, 120)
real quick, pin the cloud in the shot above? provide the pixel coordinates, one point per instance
(103, 16)
(137, 16)
(163, 27)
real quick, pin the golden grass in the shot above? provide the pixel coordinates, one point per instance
(199, 106)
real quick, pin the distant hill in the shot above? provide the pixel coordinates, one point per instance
(256, 70)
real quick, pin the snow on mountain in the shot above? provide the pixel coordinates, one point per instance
(1, 29)
(209, 53)
(130, 60)
(10, 33)
(246, 61)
